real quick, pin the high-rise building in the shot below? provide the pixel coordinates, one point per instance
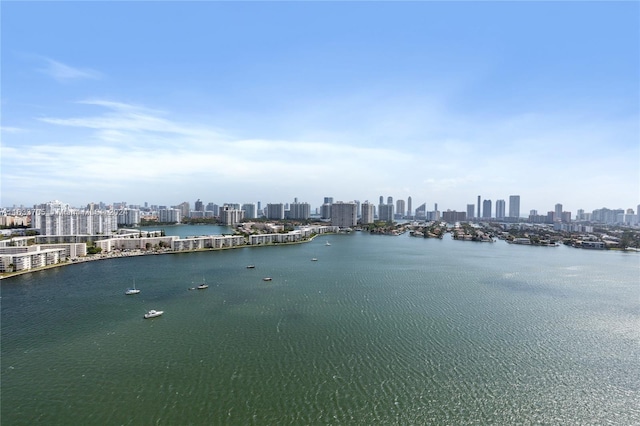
(421, 211)
(385, 212)
(514, 206)
(325, 211)
(381, 200)
(500, 209)
(389, 200)
(486, 209)
(558, 213)
(299, 211)
(275, 211)
(199, 206)
(478, 215)
(368, 211)
(230, 216)
(344, 215)
(250, 211)
(400, 209)
(471, 208)
(328, 200)
(409, 210)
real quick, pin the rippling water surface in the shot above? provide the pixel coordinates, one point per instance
(378, 330)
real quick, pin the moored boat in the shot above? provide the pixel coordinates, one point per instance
(153, 313)
(133, 290)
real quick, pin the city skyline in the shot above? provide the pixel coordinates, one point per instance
(273, 101)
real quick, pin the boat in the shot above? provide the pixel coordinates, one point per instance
(327, 243)
(251, 266)
(133, 290)
(203, 285)
(315, 259)
(267, 279)
(153, 313)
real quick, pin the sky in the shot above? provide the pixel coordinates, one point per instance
(239, 102)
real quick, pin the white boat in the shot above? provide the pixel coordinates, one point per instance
(315, 259)
(153, 313)
(267, 279)
(133, 290)
(203, 285)
(251, 266)
(327, 243)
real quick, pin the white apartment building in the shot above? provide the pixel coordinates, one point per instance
(368, 213)
(344, 215)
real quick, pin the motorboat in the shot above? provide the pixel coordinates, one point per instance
(327, 243)
(251, 266)
(315, 259)
(202, 286)
(267, 279)
(153, 313)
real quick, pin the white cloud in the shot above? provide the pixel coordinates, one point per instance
(63, 72)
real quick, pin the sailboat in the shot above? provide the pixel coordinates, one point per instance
(133, 290)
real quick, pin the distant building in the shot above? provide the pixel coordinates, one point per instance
(385, 212)
(325, 211)
(452, 216)
(557, 217)
(250, 211)
(514, 206)
(344, 215)
(299, 211)
(169, 215)
(421, 212)
(500, 209)
(409, 210)
(368, 213)
(275, 211)
(471, 208)
(486, 209)
(199, 206)
(230, 216)
(400, 209)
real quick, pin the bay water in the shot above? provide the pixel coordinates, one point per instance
(377, 330)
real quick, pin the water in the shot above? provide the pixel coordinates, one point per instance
(379, 330)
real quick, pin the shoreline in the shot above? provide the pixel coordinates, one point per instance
(94, 258)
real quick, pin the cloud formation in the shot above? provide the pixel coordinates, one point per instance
(63, 72)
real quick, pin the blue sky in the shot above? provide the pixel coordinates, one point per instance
(166, 102)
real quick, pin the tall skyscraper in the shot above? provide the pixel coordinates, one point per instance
(478, 215)
(557, 217)
(381, 200)
(400, 208)
(486, 208)
(514, 206)
(410, 211)
(471, 208)
(389, 200)
(500, 209)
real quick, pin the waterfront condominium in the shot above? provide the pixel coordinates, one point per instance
(344, 215)
(514, 206)
(368, 212)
